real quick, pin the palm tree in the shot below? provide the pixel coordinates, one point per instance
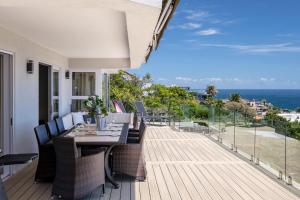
(211, 90)
(235, 97)
(264, 102)
(219, 104)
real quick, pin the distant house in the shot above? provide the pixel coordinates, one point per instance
(292, 117)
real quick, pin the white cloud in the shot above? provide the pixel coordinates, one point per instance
(211, 79)
(285, 35)
(186, 79)
(233, 80)
(189, 40)
(162, 79)
(260, 48)
(264, 79)
(196, 14)
(207, 32)
(189, 26)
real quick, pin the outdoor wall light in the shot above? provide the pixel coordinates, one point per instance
(29, 67)
(67, 74)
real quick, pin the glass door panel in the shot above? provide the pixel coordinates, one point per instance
(55, 94)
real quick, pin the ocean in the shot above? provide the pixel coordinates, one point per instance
(286, 99)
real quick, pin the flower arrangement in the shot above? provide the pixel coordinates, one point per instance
(95, 106)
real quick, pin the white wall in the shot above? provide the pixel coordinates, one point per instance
(26, 87)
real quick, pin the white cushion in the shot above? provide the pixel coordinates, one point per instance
(119, 118)
(78, 118)
(68, 121)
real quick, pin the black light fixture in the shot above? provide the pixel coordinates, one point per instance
(67, 74)
(29, 67)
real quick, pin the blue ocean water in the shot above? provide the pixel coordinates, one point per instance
(286, 99)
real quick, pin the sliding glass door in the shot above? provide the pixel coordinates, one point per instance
(6, 103)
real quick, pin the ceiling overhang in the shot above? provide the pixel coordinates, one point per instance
(87, 29)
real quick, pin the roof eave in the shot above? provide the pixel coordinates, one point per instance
(157, 38)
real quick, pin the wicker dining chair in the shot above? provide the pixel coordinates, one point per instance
(76, 175)
(45, 171)
(129, 159)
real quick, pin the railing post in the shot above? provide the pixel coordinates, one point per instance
(219, 114)
(234, 124)
(254, 147)
(285, 152)
(179, 124)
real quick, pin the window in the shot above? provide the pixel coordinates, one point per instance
(55, 94)
(83, 83)
(77, 105)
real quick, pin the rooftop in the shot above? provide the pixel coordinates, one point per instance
(180, 165)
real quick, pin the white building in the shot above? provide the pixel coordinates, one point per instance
(55, 53)
(293, 117)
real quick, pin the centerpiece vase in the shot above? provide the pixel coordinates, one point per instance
(100, 122)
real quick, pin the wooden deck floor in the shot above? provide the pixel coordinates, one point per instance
(180, 166)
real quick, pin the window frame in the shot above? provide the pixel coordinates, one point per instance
(98, 84)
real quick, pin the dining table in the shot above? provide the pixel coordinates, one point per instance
(112, 135)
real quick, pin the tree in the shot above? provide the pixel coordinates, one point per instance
(241, 108)
(170, 100)
(219, 104)
(235, 97)
(128, 88)
(298, 110)
(211, 90)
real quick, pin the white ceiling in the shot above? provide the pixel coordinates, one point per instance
(85, 28)
(72, 32)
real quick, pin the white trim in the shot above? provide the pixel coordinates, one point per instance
(7, 52)
(79, 97)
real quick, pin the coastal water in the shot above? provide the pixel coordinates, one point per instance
(287, 99)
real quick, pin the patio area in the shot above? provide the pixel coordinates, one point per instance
(180, 165)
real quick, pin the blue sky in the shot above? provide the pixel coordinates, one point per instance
(246, 44)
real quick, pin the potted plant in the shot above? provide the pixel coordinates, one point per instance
(96, 109)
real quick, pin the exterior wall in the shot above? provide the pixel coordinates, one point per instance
(26, 87)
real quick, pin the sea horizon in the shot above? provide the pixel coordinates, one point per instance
(282, 98)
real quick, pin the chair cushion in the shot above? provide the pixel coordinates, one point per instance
(68, 121)
(133, 140)
(78, 118)
(119, 118)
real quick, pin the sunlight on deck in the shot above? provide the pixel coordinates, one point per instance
(180, 166)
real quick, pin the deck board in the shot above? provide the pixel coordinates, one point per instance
(180, 166)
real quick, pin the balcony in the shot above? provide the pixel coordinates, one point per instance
(180, 165)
